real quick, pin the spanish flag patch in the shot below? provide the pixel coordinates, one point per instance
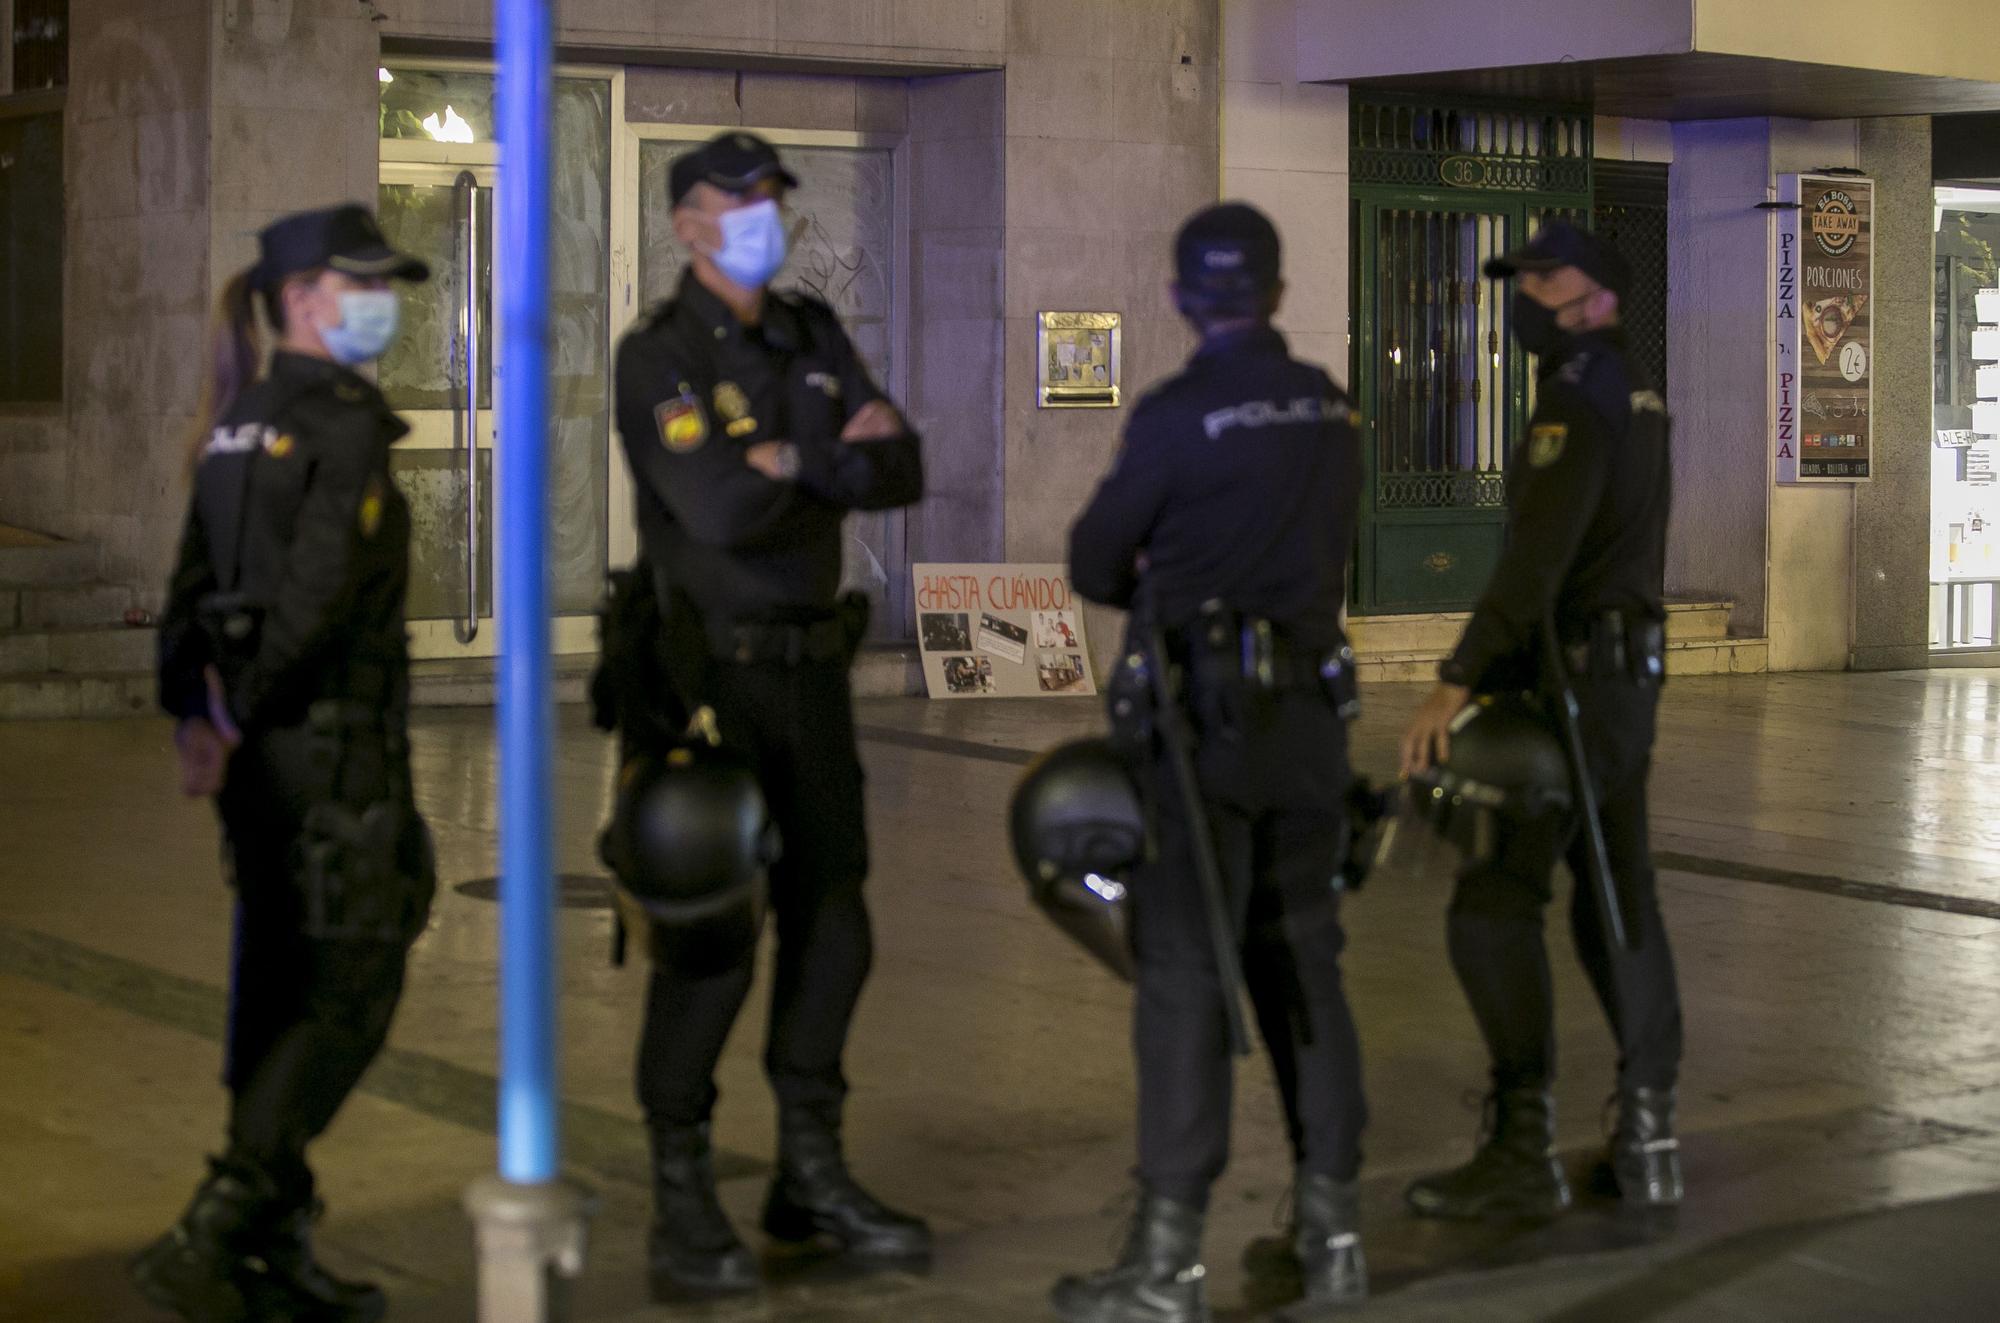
(371, 508)
(682, 424)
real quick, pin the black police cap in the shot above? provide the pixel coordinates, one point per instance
(1231, 248)
(1559, 244)
(731, 161)
(344, 238)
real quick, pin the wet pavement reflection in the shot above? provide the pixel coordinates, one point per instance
(1831, 876)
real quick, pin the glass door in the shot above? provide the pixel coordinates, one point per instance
(439, 376)
(439, 176)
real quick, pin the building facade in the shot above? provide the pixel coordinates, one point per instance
(969, 165)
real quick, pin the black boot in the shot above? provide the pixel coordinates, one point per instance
(200, 1268)
(693, 1251)
(1158, 1278)
(1326, 1222)
(1514, 1173)
(813, 1195)
(318, 1296)
(1644, 1162)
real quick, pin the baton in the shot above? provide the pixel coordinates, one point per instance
(1597, 857)
(1178, 738)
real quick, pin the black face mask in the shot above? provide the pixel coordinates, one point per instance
(1535, 324)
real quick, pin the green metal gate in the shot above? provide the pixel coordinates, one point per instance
(1443, 392)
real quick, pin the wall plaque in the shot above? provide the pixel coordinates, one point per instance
(1077, 360)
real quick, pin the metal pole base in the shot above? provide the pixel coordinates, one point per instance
(531, 1239)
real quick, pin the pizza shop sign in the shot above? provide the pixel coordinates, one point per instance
(1822, 384)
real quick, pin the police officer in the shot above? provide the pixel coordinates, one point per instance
(1225, 524)
(752, 428)
(284, 661)
(1586, 541)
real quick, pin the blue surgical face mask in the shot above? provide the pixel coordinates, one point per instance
(753, 244)
(368, 321)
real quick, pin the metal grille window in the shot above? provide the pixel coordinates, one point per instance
(1629, 206)
(1438, 189)
(1441, 398)
(1487, 148)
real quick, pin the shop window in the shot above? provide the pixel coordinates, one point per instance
(31, 257)
(37, 45)
(1965, 417)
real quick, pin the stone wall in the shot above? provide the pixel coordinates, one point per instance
(742, 33)
(1284, 148)
(1892, 555)
(1112, 139)
(136, 289)
(958, 388)
(1718, 334)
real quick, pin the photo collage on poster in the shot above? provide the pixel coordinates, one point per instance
(1000, 631)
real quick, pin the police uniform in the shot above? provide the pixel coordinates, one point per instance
(1588, 496)
(290, 583)
(747, 569)
(1237, 487)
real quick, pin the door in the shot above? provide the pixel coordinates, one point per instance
(439, 180)
(1439, 187)
(1440, 388)
(439, 376)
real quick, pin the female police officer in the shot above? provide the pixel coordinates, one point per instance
(282, 654)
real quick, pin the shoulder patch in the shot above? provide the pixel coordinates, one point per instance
(1545, 443)
(682, 425)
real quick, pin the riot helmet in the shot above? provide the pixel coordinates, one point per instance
(1506, 767)
(689, 843)
(1078, 832)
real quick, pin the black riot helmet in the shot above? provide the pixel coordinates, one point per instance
(1506, 763)
(689, 843)
(1079, 831)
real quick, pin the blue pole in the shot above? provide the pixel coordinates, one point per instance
(528, 1098)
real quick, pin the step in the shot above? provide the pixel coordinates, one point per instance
(1700, 656)
(46, 606)
(74, 650)
(469, 682)
(1434, 634)
(881, 671)
(48, 562)
(49, 696)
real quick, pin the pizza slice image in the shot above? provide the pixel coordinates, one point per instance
(1828, 319)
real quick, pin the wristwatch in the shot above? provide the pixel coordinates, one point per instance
(788, 461)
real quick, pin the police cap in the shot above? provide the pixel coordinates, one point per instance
(1228, 249)
(344, 238)
(1559, 244)
(731, 161)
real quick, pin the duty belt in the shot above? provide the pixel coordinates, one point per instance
(1256, 654)
(1621, 647)
(747, 642)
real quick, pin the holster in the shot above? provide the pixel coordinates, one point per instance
(365, 859)
(233, 627)
(1129, 694)
(650, 661)
(1238, 664)
(1618, 647)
